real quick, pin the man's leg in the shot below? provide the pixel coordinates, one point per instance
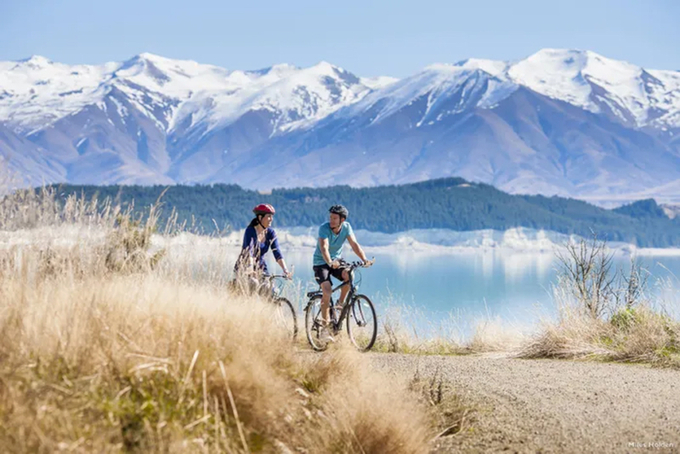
(344, 289)
(322, 274)
(325, 333)
(326, 301)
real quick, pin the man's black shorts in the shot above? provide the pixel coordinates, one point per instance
(323, 273)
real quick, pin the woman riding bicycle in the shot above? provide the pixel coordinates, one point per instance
(258, 238)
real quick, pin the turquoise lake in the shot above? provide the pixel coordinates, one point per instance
(514, 286)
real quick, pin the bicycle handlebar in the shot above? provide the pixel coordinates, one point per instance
(352, 267)
(359, 264)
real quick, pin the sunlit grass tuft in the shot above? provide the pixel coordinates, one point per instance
(407, 329)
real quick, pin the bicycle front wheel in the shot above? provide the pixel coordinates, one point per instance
(314, 324)
(285, 317)
(362, 323)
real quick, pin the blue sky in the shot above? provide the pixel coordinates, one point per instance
(367, 37)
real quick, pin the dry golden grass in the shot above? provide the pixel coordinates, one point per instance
(644, 335)
(136, 354)
(405, 329)
(624, 328)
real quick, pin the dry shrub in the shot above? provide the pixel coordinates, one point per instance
(647, 337)
(127, 248)
(360, 411)
(447, 410)
(586, 270)
(643, 335)
(572, 337)
(495, 335)
(605, 314)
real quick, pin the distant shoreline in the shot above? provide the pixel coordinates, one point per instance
(517, 240)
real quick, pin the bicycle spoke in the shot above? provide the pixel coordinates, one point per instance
(362, 324)
(313, 324)
(360, 319)
(284, 316)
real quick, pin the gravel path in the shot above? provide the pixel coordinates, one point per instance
(554, 406)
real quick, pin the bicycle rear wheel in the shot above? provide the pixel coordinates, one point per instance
(362, 323)
(313, 324)
(285, 317)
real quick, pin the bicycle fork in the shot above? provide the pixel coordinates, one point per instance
(350, 309)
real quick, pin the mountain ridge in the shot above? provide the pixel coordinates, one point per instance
(446, 203)
(537, 125)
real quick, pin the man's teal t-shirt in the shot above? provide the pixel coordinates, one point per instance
(335, 242)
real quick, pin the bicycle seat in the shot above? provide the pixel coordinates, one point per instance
(314, 293)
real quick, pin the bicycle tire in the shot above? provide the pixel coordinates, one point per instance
(356, 316)
(286, 311)
(312, 326)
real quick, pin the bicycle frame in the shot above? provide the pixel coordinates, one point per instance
(277, 290)
(337, 324)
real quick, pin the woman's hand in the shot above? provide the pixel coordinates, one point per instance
(284, 268)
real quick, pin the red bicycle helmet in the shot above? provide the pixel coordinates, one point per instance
(264, 208)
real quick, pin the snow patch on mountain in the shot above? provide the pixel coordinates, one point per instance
(36, 92)
(376, 83)
(588, 80)
(435, 84)
(493, 67)
(582, 78)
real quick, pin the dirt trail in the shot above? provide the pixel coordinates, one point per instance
(555, 406)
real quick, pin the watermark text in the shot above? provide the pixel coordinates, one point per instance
(651, 445)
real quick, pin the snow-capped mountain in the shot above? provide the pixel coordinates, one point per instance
(558, 122)
(37, 92)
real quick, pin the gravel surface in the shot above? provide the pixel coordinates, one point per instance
(553, 406)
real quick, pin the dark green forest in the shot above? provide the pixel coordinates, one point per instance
(448, 203)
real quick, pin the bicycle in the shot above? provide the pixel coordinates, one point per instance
(362, 323)
(285, 316)
(285, 311)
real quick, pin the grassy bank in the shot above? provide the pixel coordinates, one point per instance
(110, 343)
(606, 314)
(644, 332)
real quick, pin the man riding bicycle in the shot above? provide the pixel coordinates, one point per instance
(328, 261)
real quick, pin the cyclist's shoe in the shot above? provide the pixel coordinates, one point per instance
(325, 335)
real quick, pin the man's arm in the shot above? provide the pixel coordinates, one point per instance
(357, 248)
(325, 253)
